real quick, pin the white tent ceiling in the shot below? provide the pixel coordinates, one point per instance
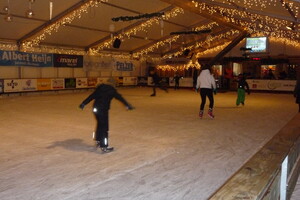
(81, 27)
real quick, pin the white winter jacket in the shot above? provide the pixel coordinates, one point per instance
(206, 80)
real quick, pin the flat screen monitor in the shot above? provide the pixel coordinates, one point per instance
(257, 44)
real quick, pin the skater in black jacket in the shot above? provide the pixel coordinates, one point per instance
(102, 97)
(156, 80)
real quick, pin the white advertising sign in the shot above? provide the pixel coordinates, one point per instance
(12, 85)
(129, 80)
(81, 82)
(274, 85)
(29, 84)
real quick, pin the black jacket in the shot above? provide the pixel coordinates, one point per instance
(242, 83)
(103, 95)
(155, 78)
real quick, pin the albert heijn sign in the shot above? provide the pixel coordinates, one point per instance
(17, 58)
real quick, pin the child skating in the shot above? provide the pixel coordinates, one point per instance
(241, 91)
(102, 97)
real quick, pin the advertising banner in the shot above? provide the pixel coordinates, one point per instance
(81, 83)
(65, 60)
(101, 80)
(129, 80)
(44, 84)
(58, 84)
(125, 65)
(120, 81)
(17, 58)
(276, 85)
(12, 85)
(96, 63)
(70, 83)
(92, 82)
(175, 61)
(29, 85)
(183, 82)
(1, 86)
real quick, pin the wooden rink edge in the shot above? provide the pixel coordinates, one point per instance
(259, 177)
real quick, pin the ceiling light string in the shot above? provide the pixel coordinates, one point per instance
(207, 42)
(170, 40)
(8, 17)
(29, 13)
(55, 26)
(133, 31)
(255, 24)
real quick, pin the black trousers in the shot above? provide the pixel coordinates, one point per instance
(160, 86)
(206, 92)
(102, 127)
(176, 85)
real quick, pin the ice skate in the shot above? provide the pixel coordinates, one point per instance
(107, 149)
(97, 144)
(201, 114)
(210, 113)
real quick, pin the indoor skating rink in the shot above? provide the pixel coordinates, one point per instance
(163, 151)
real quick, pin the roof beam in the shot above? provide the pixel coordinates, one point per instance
(188, 5)
(228, 48)
(199, 40)
(167, 36)
(122, 30)
(52, 21)
(288, 9)
(249, 10)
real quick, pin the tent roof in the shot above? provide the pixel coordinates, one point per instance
(87, 25)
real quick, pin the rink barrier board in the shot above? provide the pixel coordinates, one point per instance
(260, 177)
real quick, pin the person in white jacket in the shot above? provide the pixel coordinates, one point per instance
(207, 84)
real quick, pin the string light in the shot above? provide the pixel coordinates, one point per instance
(142, 27)
(207, 42)
(173, 38)
(55, 26)
(179, 67)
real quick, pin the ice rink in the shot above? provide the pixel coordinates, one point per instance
(163, 151)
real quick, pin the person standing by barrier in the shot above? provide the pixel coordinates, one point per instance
(102, 97)
(207, 84)
(297, 93)
(241, 91)
(176, 80)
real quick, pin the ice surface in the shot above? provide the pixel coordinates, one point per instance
(162, 149)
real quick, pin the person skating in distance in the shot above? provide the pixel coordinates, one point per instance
(207, 84)
(102, 97)
(242, 86)
(156, 80)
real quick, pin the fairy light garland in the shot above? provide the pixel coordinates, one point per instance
(207, 42)
(142, 27)
(55, 26)
(9, 47)
(179, 67)
(173, 38)
(256, 22)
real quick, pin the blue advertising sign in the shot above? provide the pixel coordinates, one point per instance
(17, 58)
(65, 60)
